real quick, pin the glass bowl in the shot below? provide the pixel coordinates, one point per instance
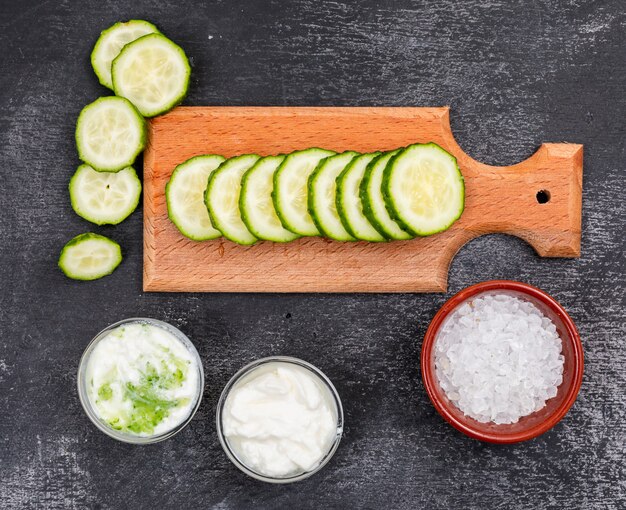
(536, 423)
(247, 370)
(91, 412)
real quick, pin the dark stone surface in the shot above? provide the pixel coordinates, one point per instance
(515, 74)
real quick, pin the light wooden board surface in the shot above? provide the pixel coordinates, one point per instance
(498, 199)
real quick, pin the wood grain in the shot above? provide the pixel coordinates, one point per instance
(498, 200)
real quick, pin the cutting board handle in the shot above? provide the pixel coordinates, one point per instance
(538, 200)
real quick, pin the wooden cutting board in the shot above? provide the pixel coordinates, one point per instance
(498, 199)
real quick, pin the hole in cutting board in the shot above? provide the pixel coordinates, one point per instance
(543, 196)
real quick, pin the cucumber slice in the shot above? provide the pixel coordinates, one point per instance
(184, 194)
(104, 198)
(255, 201)
(348, 199)
(322, 192)
(110, 133)
(89, 257)
(373, 202)
(153, 73)
(424, 189)
(290, 190)
(111, 42)
(222, 198)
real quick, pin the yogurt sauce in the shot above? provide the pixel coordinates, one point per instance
(280, 420)
(142, 380)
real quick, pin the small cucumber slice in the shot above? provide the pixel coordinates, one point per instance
(153, 73)
(184, 194)
(104, 198)
(110, 133)
(348, 199)
(89, 257)
(111, 42)
(322, 196)
(222, 198)
(424, 189)
(290, 192)
(373, 202)
(256, 205)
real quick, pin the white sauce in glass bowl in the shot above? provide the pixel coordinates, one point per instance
(142, 380)
(280, 420)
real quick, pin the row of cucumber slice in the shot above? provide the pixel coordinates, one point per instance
(396, 195)
(149, 75)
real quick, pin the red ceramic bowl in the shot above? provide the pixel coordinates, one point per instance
(536, 423)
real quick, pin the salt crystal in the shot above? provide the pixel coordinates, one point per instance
(498, 358)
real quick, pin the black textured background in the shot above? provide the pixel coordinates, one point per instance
(515, 73)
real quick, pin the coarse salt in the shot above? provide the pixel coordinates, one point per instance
(498, 358)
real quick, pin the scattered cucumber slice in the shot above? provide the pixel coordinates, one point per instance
(184, 194)
(322, 196)
(348, 199)
(89, 257)
(111, 42)
(110, 133)
(153, 73)
(424, 189)
(290, 192)
(104, 198)
(255, 202)
(222, 198)
(373, 202)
